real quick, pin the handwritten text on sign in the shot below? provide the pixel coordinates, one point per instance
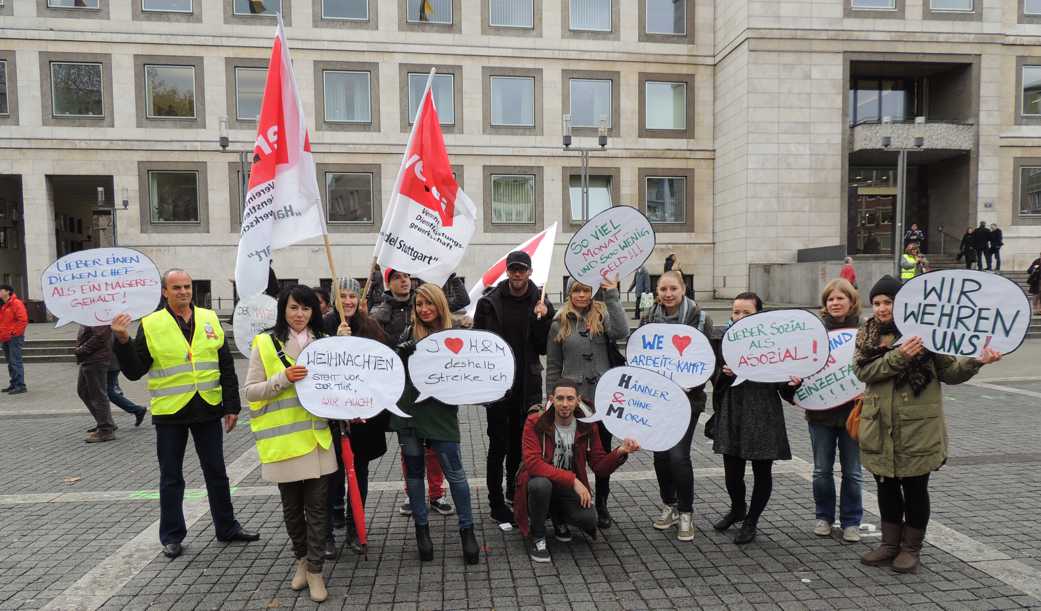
(776, 345)
(350, 377)
(679, 352)
(959, 312)
(835, 384)
(643, 405)
(91, 287)
(612, 244)
(252, 315)
(462, 367)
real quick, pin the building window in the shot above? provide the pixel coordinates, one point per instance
(4, 109)
(349, 197)
(511, 13)
(591, 15)
(590, 102)
(169, 92)
(444, 96)
(513, 199)
(599, 196)
(666, 105)
(257, 7)
(76, 90)
(1032, 90)
(429, 11)
(352, 10)
(951, 5)
(173, 196)
(347, 97)
(889, 5)
(1032, 7)
(871, 100)
(73, 4)
(667, 17)
(1030, 191)
(167, 6)
(513, 101)
(666, 198)
(249, 89)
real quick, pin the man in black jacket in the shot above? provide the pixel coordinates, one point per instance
(981, 240)
(516, 311)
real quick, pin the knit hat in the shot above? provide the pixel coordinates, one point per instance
(886, 285)
(350, 285)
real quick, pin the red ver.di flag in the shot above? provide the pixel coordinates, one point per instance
(283, 204)
(431, 219)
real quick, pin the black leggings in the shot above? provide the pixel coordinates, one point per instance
(603, 483)
(762, 486)
(904, 500)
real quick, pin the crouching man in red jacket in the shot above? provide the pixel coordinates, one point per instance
(556, 449)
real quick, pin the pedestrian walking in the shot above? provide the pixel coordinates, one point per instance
(553, 481)
(93, 354)
(640, 286)
(13, 322)
(749, 426)
(1034, 283)
(193, 386)
(295, 447)
(115, 393)
(903, 434)
(981, 240)
(516, 310)
(994, 251)
(673, 468)
(581, 347)
(848, 272)
(967, 249)
(434, 425)
(840, 309)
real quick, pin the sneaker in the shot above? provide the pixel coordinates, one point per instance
(139, 417)
(405, 509)
(502, 514)
(17, 391)
(822, 528)
(668, 518)
(851, 534)
(539, 551)
(100, 436)
(8, 389)
(440, 506)
(562, 533)
(685, 532)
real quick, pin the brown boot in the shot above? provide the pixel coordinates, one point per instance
(316, 587)
(300, 576)
(908, 561)
(888, 550)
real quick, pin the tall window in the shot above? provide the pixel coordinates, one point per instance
(951, 5)
(511, 13)
(72, 3)
(173, 196)
(666, 199)
(1032, 90)
(666, 105)
(355, 10)
(349, 196)
(169, 92)
(1030, 191)
(874, 99)
(590, 102)
(167, 6)
(257, 7)
(667, 17)
(599, 196)
(347, 97)
(592, 15)
(4, 109)
(429, 11)
(444, 95)
(513, 199)
(1032, 7)
(249, 89)
(76, 90)
(874, 4)
(513, 101)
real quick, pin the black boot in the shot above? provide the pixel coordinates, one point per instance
(746, 534)
(603, 516)
(352, 535)
(339, 517)
(736, 514)
(471, 551)
(426, 546)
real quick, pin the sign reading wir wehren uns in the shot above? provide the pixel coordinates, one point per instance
(613, 244)
(835, 384)
(642, 405)
(91, 287)
(776, 345)
(350, 377)
(462, 367)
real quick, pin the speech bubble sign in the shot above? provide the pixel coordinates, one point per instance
(681, 353)
(959, 312)
(91, 287)
(350, 377)
(835, 384)
(612, 244)
(252, 315)
(776, 345)
(461, 367)
(641, 404)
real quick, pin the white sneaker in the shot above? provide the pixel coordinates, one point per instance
(822, 528)
(685, 532)
(668, 518)
(851, 534)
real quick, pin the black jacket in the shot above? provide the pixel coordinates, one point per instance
(981, 238)
(996, 239)
(393, 315)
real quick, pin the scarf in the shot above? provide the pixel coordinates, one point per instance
(683, 312)
(918, 374)
(852, 321)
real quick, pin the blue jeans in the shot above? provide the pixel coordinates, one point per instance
(824, 440)
(116, 396)
(13, 354)
(412, 448)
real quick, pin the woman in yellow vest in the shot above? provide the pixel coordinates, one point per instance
(295, 447)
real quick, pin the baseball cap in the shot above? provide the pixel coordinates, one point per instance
(517, 258)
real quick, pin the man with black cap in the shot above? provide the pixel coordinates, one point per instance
(517, 311)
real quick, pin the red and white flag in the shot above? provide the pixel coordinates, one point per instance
(430, 220)
(283, 204)
(539, 247)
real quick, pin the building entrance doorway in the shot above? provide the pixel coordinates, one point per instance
(12, 235)
(77, 225)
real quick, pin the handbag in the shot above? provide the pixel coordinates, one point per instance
(710, 426)
(853, 420)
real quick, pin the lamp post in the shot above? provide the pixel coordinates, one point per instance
(224, 142)
(101, 209)
(584, 153)
(901, 186)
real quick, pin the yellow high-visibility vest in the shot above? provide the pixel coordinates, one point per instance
(282, 428)
(907, 273)
(179, 369)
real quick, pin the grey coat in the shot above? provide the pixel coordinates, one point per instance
(584, 359)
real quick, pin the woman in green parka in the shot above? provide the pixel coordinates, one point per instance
(903, 434)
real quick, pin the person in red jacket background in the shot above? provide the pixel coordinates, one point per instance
(848, 272)
(13, 321)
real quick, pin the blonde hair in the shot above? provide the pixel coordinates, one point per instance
(434, 295)
(567, 317)
(843, 286)
(672, 275)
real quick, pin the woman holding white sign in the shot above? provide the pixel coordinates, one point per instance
(903, 434)
(432, 424)
(580, 348)
(295, 447)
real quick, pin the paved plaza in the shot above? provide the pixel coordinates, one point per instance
(78, 526)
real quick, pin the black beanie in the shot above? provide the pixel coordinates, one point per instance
(886, 285)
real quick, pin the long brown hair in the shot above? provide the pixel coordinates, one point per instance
(568, 316)
(433, 294)
(843, 286)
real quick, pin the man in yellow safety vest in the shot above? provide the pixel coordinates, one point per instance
(192, 384)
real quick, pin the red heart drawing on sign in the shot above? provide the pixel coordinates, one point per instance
(681, 342)
(454, 344)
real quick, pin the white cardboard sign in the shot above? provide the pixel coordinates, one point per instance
(961, 311)
(91, 287)
(350, 377)
(835, 384)
(252, 315)
(775, 345)
(643, 405)
(462, 367)
(610, 245)
(679, 352)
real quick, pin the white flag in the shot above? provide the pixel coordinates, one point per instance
(539, 247)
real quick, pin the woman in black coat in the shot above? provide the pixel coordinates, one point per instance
(1034, 280)
(967, 249)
